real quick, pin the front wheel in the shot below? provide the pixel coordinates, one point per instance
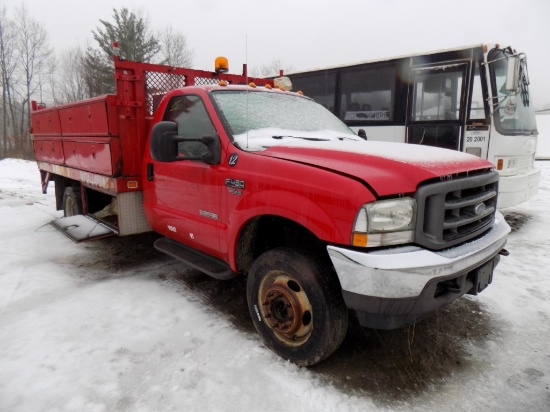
(296, 305)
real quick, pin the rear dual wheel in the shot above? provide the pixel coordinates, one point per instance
(72, 201)
(296, 305)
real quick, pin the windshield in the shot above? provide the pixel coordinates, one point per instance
(513, 111)
(260, 119)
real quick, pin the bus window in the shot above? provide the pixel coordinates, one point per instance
(367, 94)
(320, 87)
(437, 95)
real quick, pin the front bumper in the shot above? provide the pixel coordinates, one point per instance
(406, 281)
(513, 190)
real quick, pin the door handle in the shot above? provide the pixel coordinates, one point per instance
(150, 172)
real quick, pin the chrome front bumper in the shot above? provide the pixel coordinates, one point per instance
(403, 272)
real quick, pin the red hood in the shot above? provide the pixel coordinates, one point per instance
(389, 168)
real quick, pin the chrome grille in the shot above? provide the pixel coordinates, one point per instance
(454, 211)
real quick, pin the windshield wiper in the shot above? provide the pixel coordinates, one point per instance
(312, 139)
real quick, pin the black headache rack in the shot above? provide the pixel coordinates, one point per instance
(454, 211)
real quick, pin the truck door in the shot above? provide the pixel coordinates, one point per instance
(188, 192)
(436, 99)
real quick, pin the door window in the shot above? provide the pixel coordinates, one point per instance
(192, 118)
(477, 108)
(437, 94)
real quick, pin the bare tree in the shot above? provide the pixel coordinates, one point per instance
(272, 69)
(8, 66)
(174, 49)
(33, 54)
(69, 84)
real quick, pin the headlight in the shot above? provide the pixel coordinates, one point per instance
(387, 222)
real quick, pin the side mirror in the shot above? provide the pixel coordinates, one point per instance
(165, 139)
(164, 142)
(512, 74)
(362, 134)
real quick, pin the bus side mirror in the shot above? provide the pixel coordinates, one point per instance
(164, 141)
(512, 74)
(362, 134)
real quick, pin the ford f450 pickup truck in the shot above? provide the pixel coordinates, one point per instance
(245, 179)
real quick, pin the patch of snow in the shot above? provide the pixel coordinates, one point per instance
(543, 140)
(84, 329)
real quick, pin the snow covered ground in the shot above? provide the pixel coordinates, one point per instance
(112, 325)
(543, 141)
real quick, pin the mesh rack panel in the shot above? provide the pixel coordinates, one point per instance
(158, 84)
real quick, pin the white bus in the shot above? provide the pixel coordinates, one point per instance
(474, 99)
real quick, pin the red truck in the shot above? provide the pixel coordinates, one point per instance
(247, 179)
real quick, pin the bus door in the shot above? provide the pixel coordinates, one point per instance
(435, 115)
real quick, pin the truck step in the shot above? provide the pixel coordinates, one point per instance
(198, 260)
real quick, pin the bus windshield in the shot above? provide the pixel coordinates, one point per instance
(513, 111)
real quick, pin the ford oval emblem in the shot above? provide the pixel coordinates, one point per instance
(480, 208)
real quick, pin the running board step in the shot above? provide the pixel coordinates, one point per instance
(80, 228)
(197, 260)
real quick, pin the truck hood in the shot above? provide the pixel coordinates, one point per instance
(388, 168)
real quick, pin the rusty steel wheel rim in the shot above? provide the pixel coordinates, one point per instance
(286, 308)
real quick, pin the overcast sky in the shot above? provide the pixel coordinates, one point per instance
(311, 34)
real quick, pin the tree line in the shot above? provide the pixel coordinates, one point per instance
(30, 70)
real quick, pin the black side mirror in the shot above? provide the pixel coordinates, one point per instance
(164, 142)
(362, 134)
(165, 139)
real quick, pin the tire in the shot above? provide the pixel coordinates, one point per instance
(72, 201)
(296, 305)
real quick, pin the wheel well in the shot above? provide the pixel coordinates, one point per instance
(94, 201)
(268, 232)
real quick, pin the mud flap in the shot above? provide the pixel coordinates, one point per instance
(80, 228)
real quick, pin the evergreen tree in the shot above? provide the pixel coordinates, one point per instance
(135, 41)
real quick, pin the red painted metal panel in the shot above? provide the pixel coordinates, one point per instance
(94, 157)
(49, 151)
(46, 123)
(88, 119)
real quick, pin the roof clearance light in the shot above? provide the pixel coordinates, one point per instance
(301, 93)
(222, 83)
(252, 84)
(221, 64)
(268, 86)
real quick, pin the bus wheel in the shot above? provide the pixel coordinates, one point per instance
(296, 305)
(72, 201)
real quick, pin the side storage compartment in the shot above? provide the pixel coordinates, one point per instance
(82, 135)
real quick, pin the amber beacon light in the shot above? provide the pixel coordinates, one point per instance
(221, 64)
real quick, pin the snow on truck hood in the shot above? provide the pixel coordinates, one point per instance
(389, 168)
